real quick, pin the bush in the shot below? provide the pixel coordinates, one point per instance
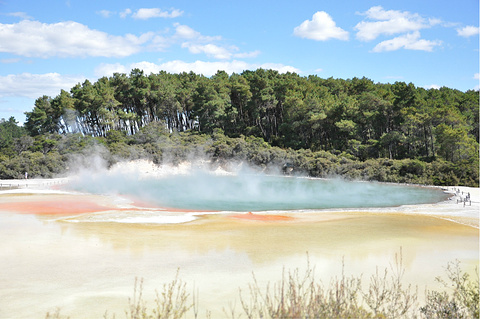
(298, 294)
(462, 302)
(171, 302)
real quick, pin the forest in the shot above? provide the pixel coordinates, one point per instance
(314, 126)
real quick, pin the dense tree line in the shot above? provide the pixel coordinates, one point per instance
(356, 119)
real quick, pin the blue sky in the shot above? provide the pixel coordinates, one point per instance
(46, 46)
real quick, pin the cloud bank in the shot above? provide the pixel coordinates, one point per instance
(36, 85)
(148, 13)
(143, 13)
(200, 67)
(389, 22)
(410, 41)
(378, 22)
(468, 31)
(66, 39)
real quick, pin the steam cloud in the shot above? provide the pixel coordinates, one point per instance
(194, 186)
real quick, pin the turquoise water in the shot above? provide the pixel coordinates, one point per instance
(256, 192)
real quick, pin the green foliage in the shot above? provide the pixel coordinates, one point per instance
(10, 134)
(286, 110)
(153, 142)
(36, 164)
(265, 118)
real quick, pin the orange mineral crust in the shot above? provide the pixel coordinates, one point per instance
(64, 207)
(74, 205)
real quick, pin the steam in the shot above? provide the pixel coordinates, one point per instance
(194, 185)
(92, 161)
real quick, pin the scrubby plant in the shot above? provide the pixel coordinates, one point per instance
(387, 297)
(460, 300)
(298, 294)
(170, 303)
(55, 315)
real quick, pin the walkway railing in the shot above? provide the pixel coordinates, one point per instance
(15, 184)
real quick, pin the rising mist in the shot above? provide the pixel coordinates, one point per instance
(194, 185)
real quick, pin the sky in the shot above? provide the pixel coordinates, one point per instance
(46, 46)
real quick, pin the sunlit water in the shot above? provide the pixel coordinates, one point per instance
(255, 192)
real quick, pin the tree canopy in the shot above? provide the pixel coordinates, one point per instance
(355, 117)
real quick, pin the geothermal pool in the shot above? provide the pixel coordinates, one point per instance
(203, 190)
(80, 248)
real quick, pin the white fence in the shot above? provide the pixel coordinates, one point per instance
(32, 183)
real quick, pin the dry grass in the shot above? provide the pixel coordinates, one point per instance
(298, 294)
(55, 315)
(170, 303)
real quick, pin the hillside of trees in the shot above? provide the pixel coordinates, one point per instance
(320, 127)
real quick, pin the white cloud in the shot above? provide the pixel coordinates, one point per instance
(468, 31)
(107, 69)
(210, 50)
(275, 66)
(148, 13)
(389, 22)
(432, 86)
(435, 21)
(12, 60)
(159, 43)
(72, 39)
(410, 41)
(320, 28)
(36, 85)
(476, 76)
(105, 13)
(185, 32)
(243, 55)
(125, 13)
(66, 39)
(199, 67)
(197, 43)
(21, 15)
(218, 52)
(378, 13)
